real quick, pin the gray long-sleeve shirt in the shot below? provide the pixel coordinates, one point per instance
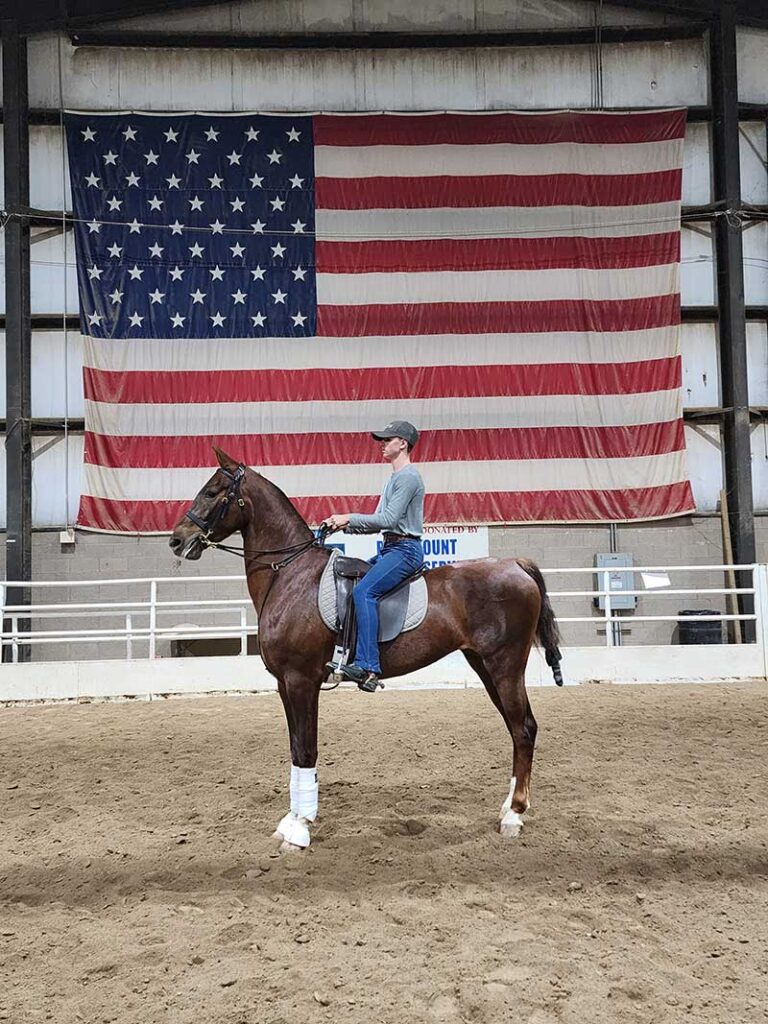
(400, 508)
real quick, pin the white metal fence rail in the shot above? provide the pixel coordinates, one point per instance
(142, 620)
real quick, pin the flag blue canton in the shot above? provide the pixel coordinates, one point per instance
(194, 226)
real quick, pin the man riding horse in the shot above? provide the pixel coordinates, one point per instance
(400, 515)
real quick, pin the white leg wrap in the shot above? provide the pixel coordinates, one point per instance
(304, 792)
(295, 830)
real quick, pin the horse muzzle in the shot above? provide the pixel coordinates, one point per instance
(190, 548)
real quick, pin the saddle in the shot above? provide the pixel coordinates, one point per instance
(400, 610)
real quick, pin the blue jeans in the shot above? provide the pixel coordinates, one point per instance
(395, 562)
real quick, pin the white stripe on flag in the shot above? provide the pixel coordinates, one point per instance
(202, 420)
(439, 477)
(496, 158)
(499, 222)
(217, 354)
(497, 286)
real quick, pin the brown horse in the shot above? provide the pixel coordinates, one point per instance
(490, 609)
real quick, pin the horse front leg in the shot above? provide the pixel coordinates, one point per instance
(300, 697)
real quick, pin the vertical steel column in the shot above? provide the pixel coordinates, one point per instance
(724, 87)
(18, 329)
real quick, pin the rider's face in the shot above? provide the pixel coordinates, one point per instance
(391, 448)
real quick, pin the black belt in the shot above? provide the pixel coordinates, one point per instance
(393, 538)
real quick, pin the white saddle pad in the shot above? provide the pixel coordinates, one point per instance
(326, 599)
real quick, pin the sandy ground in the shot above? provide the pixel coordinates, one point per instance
(138, 882)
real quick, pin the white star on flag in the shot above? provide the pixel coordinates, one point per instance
(237, 250)
(299, 274)
(217, 227)
(296, 181)
(114, 203)
(173, 181)
(193, 157)
(252, 134)
(155, 203)
(237, 205)
(256, 181)
(151, 157)
(216, 181)
(115, 251)
(274, 157)
(171, 136)
(293, 135)
(177, 320)
(129, 134)
(95, 319)
(136, 320)
(278, 250)
(93, 226)
(197, 296)
(212, 135)
(116, 296)
(176, 227)
(277, 203)
(88, 134)
(279, 296)
(156, 250)
(133, 179)
(258, 274)
(196, 203)
(298, 320)
(197, 249)
(239, 297)
(93, 181)
(134, 228)
(94, 273)
(258, 320)
(110, 157)
(217, 274)
(217, 319)
(135, 273)
(258, 227)
(177, 273)
(298, 227)
(156, 296)
(234, 158)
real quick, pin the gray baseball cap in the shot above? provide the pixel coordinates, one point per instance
(398, 428)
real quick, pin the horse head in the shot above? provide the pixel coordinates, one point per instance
(216, 512)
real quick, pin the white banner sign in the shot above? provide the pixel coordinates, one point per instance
(442, 545)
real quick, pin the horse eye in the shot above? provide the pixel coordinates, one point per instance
(211, 494)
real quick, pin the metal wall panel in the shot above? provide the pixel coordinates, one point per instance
(48, 277)
(638, 74)
(697, 267)
(50, 467)
(704, 465)
(389, 15)
(701, 372)
(752, 56)
(50, 368)
(755, 240)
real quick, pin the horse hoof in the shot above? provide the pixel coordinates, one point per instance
(286, 847)
(511, 825)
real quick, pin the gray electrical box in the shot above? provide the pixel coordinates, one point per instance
(620, 578)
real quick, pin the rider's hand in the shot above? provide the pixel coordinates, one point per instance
(337, 521)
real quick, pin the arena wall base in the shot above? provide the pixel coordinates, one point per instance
(95, 680)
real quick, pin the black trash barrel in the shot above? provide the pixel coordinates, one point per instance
(692, 631)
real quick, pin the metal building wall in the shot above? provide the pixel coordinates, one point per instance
(633, 75)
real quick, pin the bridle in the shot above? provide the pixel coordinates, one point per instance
(218, 512)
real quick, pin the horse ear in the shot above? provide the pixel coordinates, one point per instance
(225, 461)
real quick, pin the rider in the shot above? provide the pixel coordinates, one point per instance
(400, 514)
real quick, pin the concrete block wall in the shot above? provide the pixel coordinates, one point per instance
(684, 541)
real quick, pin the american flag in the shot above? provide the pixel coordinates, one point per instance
(282, 285)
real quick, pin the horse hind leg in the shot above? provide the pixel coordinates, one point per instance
(505, 682)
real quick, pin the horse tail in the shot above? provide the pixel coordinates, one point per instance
(547, 631)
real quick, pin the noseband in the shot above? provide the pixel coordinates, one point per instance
(217, 513)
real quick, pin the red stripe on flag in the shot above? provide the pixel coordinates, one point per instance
(489, 129)
(380, 383)
(497, 254)
(498, 317)
(491, 190)
(321, 449)
(483, 507)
